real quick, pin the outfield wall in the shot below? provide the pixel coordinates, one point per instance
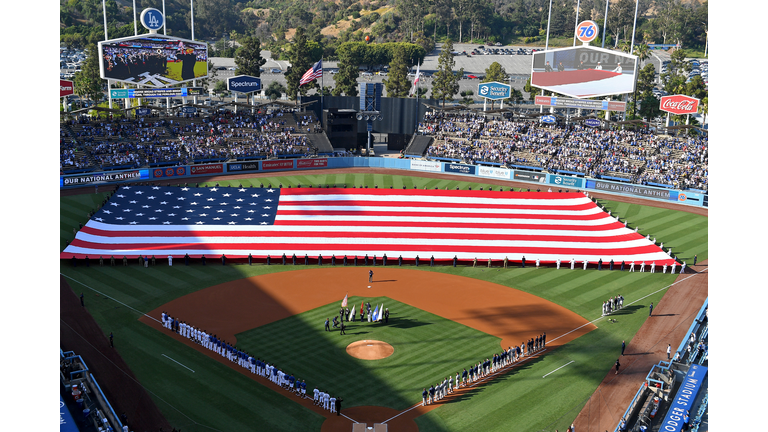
(478, 172)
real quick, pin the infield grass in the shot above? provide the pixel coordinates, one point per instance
(427, 348)
(216, 397)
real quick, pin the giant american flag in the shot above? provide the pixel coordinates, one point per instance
(468, 224)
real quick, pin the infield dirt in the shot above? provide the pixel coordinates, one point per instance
(234, 307)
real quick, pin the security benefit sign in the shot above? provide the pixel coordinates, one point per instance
(494, 90)
(584, 72)
(243, 84)
(559, 180)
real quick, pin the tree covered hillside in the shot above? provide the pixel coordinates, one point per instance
(423, 22)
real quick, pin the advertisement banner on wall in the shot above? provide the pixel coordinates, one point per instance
(686, 196)
(169, 172)
(312, 163)
(426, 165)
(459, 168)
(499, 173)
(530, 176)
(206, 169)
(87, 179)
(244, 166)
(563, 102)
(629, 189)
(566, 181)
(278, 164)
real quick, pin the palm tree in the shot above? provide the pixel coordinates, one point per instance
(642, 52)
(704, 109)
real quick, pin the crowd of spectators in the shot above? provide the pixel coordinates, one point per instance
(637, 156)
(183, 139)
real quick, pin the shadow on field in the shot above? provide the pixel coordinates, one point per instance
(505, 374)
(627, 310)
(405, 323)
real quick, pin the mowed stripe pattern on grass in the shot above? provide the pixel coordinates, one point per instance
(427, 348)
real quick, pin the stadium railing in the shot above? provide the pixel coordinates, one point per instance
(661, 379)
(697, 325)
(91, 390)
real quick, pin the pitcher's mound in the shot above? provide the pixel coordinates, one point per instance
(370, 349)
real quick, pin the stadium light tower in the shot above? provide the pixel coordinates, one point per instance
(106, 37)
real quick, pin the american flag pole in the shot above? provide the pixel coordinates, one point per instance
(322, 94)
(416, 126)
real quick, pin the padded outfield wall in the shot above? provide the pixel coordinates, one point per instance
(479, 172)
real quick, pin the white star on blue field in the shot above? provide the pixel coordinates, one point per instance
(167, 205)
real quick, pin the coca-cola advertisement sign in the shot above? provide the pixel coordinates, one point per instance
(679, 104)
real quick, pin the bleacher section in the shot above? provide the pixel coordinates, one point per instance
(158, 141)
(418, 145)
(321, 143)
(633, 156)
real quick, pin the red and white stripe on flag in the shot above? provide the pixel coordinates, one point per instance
(466, 224)
(316, 71)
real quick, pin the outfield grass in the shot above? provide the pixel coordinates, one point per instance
(216, 397)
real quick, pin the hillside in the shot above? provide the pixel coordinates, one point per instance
(330, 22)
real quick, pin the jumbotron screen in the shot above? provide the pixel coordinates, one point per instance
(583, 72)
(153, 60)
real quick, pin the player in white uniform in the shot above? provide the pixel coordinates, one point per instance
(558, 263)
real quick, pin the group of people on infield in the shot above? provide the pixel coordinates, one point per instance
(255, 365)
(613, 304)
(482, 369)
